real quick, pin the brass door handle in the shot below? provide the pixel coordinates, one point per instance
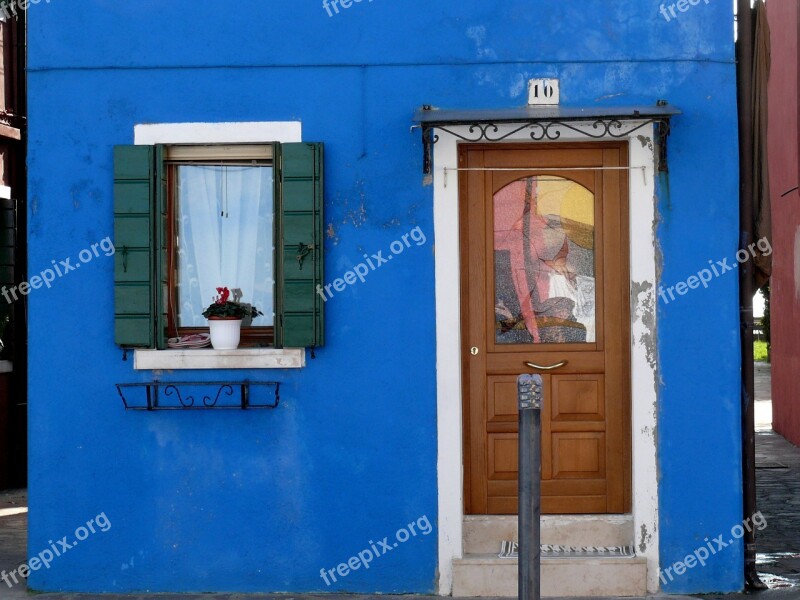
(550, 368)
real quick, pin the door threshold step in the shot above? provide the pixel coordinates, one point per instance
(483, 534)
(487, 575)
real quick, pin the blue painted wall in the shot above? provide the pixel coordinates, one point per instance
(261, 501)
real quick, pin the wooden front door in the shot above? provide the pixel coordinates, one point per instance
(544, 232)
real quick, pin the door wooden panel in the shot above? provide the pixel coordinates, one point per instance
(545, 280)
(578, 398)
(578, 455)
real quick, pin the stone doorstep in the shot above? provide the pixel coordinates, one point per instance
(487, 575)
(482, 573)
(484, 533)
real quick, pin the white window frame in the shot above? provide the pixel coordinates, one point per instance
(258, 132)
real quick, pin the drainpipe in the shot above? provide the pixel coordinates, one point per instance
(744, 59)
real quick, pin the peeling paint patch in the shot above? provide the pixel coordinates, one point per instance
(331, 233)
(644, 538)
(645, 141)
(478, 35)
(518, 86)
(357, 216)
(643, 310)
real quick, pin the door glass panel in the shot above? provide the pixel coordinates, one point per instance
(544, 255)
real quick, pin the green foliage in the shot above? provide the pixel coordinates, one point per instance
(222, 307)
(760, 352)
(765, 321)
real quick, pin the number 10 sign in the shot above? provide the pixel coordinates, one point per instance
(543, 92)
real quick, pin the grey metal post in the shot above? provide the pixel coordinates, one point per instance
(529, 394)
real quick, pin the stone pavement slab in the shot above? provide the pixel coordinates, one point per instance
(13, 535)
(778, 494)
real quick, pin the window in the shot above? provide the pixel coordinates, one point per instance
(220, 205)
(190, 218)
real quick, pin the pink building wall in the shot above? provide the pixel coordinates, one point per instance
(784, 21)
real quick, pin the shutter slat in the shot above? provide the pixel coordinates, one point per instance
(299, 221)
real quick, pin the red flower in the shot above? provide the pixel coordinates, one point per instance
(224, 294)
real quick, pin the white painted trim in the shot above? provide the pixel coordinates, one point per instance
(644, 376)
(448, 349)
(245, 358)
(218, 133)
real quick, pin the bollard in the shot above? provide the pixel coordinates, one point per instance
(529, 395)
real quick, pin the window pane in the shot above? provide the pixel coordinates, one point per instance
(225, 238)
(544, 262)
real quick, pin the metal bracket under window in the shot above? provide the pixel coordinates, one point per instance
(182, 395)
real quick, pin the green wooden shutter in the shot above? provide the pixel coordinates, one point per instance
(299, 232)
(139, 218)
(8, 237)
(160, 237)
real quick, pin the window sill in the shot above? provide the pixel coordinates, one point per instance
(246, 358)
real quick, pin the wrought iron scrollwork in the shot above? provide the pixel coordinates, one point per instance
(189, 402)
(158, 395)
(540, 130)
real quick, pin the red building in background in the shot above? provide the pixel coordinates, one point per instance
(784, 172)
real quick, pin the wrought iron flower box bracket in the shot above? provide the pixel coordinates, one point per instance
(183, 395)
(543, 125)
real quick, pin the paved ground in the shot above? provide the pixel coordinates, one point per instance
(778, 477)
(778, 486)
(13, 534)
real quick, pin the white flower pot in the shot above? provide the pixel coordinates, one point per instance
(225, 333)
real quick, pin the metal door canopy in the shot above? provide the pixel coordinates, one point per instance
(544, 123)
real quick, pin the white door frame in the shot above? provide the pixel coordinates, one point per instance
(643, 342)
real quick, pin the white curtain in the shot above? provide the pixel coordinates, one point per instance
(225, 238)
